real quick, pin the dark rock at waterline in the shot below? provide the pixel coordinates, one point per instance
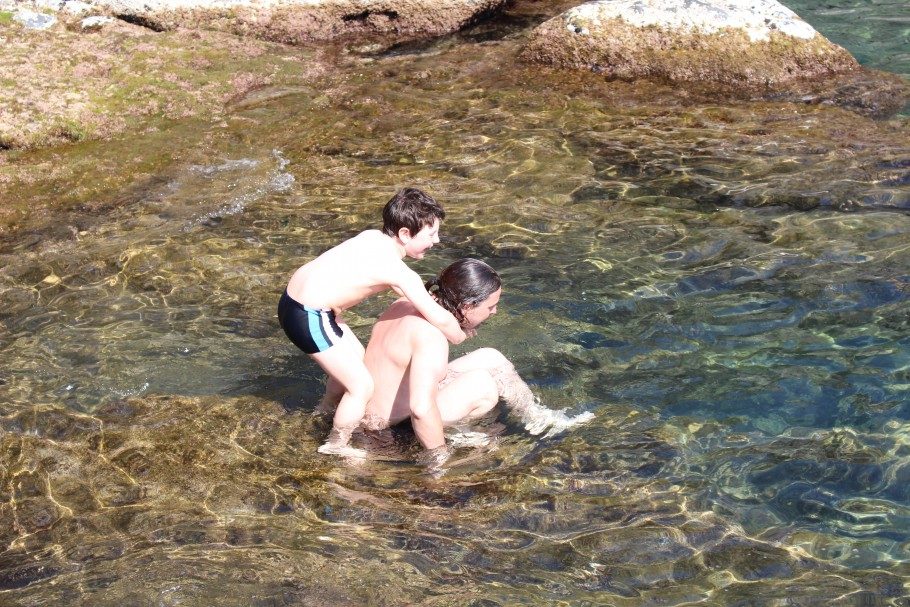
(18, 571)
(751, 560)
(868, 92)
(298, 21)
(716, 47)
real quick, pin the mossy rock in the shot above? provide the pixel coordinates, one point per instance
(765, 45)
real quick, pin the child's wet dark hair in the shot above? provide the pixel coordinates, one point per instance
(466, 282)
(412, 209)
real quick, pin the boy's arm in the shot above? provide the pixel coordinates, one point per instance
(411, 286)
(428, 367)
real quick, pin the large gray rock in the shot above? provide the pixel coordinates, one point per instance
(34, 21)
(296, 21)
(759, 43)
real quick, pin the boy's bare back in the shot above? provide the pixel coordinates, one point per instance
(350, 272)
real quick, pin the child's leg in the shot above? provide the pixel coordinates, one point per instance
(343, 362)
(510, 387)
(334, 391)
(468, 396)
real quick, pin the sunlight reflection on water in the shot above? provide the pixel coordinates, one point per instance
(747, 368)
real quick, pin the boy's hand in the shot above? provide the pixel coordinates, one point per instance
(463, 335)
(469, 333)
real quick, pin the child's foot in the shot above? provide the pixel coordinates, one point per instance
(337, 444)
(342, 450)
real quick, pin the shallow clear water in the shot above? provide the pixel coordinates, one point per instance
(877, 33)
(747, 362)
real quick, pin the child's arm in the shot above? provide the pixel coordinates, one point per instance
(411, 286)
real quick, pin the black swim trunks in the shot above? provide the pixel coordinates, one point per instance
(310, 329)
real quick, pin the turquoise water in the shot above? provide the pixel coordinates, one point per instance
(877, 33)
(679, 269)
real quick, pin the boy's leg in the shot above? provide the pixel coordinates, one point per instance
(343, 362)
(334, 391)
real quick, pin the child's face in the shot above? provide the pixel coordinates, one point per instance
(421, 242)
(475, 315)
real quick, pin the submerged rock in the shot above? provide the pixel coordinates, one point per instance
(759, 47)
(296, 21)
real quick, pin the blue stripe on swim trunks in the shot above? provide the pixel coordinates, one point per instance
(316, 319)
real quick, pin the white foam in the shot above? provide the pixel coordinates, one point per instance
(229, 165)
(538, 418)
(470, 439)
(276, 181)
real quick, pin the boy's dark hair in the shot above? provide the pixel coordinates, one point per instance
(412, 209)
(466, 282)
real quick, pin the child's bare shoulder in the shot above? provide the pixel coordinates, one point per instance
(374, 235)
(372, 239)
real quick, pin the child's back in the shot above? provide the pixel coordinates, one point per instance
(347, 274)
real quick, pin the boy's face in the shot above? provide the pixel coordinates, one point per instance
(416, 245)
(475, 315)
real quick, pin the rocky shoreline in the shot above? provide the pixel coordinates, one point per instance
(74, 70)
(67, 84)
(77, 71)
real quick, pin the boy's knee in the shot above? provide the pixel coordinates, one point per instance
(363, 388)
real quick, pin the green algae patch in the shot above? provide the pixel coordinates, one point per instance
(62, 87)
(101, 83)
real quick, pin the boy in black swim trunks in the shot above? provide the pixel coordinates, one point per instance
(347, 274)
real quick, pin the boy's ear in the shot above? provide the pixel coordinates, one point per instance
(404, 234)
